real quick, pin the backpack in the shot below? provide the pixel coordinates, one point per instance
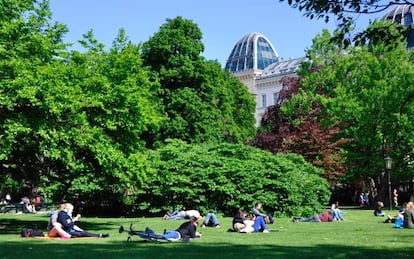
(399, 223)
(31, 232)
(269, 219)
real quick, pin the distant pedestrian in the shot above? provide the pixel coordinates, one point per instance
(395, 198)
(367, 199)
(8, 198)
(361, 200)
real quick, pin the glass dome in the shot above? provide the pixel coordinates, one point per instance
(403, 14)
(253, 51)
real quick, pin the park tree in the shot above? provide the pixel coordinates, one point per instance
(27, 42)
(369, 89)
(302, 131)
(201, 100)
(71, 121)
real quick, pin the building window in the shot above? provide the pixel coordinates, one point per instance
(263, 100)
(275, 98)
(408, 19)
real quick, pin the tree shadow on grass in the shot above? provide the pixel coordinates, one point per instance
(12, 226)
(117, 247)
(122, 249)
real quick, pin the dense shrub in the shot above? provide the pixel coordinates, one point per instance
(224, 177)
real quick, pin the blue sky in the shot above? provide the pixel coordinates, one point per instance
(222, 22)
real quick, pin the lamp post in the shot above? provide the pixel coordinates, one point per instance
(388, 166)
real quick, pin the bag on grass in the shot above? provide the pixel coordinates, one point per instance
(269, 219)
(31, 232)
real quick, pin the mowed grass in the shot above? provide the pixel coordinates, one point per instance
(361, 235)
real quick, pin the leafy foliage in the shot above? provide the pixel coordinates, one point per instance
(202, 102)
(225, 177)
(345, 13)
(77, 125)
(71, 123)
(293, 127)
(322, 9)
(370, 91)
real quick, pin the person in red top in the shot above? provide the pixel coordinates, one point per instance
(324, 217)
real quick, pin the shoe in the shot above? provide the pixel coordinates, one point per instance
(217, 226)
(266, 231)
(203, 226)
(64, 238)
(104, 235)
(121, 229)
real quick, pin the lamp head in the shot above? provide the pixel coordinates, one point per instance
(388, 162)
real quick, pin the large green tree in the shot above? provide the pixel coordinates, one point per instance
(202, 102)
(70, 122)
(27, 42)
(370, 90)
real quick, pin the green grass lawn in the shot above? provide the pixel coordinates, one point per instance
(361, 235)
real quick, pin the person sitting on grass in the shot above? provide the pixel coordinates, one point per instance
(257, 212)
(69, 224)
(242, 225)
(54, 228)
(210, 221)
(400, 214)
(409, 215)
(398, 219)
(27, 206)
(324, 217)
(378, 209)
(336, 212)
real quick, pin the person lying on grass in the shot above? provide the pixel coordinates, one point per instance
(182, 214)
(324, 217)
(69, 223)
(184, 232)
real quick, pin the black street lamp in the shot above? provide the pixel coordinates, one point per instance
(388, 166)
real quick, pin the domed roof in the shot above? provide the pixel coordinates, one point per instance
(253, 51)
(402, 14)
